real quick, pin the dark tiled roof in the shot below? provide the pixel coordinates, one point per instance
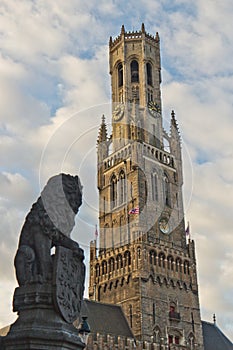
(214, 339)
(102, 318)
(106, 318)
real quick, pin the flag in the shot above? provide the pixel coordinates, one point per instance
(187, 231)
(96, 231)
(134, 210)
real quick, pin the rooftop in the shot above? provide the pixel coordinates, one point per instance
(214, 339)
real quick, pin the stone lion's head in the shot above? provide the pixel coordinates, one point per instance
(58, 204)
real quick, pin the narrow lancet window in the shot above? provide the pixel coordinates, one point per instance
(134, 72)
(167, 196)
(149, 74)
(122, 187)
(113, 192)
(120, 75)
(154, 183)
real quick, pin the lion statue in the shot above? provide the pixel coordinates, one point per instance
(48, 224)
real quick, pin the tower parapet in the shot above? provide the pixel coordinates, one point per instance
(132, 35)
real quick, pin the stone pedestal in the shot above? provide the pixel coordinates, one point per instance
(39, 326)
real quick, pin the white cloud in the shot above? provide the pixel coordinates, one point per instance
(82, 75)
(14, 188)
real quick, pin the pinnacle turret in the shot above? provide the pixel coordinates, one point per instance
(103, 134)
(173, 120)
(143, 28)
(174, 126)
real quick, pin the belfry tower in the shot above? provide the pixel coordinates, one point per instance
(145, 261)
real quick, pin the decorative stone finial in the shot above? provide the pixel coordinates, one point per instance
(143, 28)
(122, 29)
(157, 39)
(110, 41)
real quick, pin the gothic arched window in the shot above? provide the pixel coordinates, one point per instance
(104, 267)
(111, 264)
(134, 71)
(122, 187)
(152, 257)
(120, 74)
(127, 257)
(154, 185)
(113, 191)
(119, 261)
(167, 196)
(170, 261)
(186, 267)
(178, 265)
(149, 74)
(157, 335)
(161, 259)
(191, 340)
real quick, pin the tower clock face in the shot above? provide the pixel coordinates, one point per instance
(118, 112)
(164, 226)
(154, 109)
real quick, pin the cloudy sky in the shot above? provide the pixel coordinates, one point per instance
(55, 87)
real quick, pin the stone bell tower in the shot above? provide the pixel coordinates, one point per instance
(145, 262)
